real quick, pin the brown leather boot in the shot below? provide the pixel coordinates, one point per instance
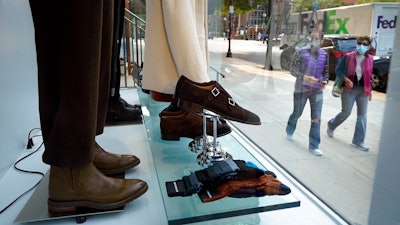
(109, 163)
(85, 186)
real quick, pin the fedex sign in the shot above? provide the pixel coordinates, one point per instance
(335, 25)
(384, 23)
(328, 23)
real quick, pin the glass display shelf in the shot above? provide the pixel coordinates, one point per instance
(174, 159)
(35, 209)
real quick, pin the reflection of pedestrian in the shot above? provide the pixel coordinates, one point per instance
(265, 38)
(73, 95)
(224, 34)
(356, 69)
(259, 36)
(310, 67)
(119, 110)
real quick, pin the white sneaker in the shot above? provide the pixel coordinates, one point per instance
(289, 137)
(361, 146)
(316, 151)
(329, 132)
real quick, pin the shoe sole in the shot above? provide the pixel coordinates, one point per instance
(194, 107)
(174, 137)
(330, 134)
(71, 206)
(362, 149)
(316, 154)
(170, 137)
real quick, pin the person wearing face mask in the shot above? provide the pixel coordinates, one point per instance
(311, 68)
(355, 68)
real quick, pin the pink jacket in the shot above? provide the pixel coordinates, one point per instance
(347, 67)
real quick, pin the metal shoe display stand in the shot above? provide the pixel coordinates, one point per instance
(209, 147)
(172, 161)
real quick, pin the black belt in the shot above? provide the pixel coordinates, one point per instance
(187, 186)
(209, 177)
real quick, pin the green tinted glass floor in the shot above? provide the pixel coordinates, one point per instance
(173, 160)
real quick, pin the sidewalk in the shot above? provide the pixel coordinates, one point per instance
(343, 177)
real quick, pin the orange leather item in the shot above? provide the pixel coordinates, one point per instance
(266, 183)
(161, 97)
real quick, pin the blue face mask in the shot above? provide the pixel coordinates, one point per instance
(361, 49)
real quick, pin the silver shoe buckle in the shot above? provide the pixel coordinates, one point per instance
(215, 91)
(231, 102)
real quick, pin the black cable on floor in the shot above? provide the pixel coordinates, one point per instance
(29, 146)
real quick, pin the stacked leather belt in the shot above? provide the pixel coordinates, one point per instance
(233, 178)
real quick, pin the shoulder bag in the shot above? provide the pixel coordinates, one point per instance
(337, 87)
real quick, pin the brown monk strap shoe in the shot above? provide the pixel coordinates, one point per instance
(182, 123)
(109, 163)
(85, 186)
(194, 96)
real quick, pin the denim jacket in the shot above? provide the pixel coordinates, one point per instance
(347, 67)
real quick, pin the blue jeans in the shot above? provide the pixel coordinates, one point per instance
(299, 102)
(348, 99)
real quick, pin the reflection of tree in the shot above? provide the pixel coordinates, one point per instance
(138, 7)
(240, 7)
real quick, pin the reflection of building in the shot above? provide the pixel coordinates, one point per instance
(248, 25)
(257, 20)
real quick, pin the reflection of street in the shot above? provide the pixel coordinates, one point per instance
(342, 169)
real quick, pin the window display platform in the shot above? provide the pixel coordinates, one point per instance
(170, 161)
(36, 207)
(150, 208)
(173, 160)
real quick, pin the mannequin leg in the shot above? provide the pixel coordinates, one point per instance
(72, 104)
